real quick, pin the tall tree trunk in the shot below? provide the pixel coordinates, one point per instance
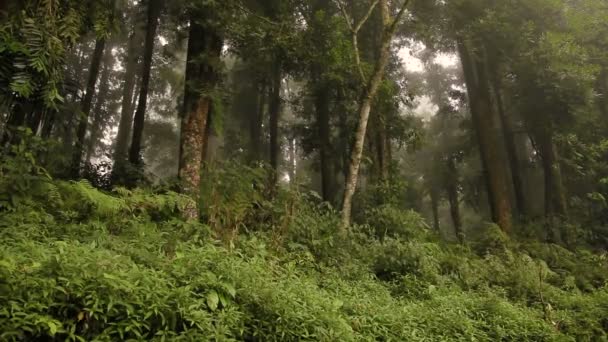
(484, 120)
(555, 198)
(344, 134)
(126, 112)
(452, 192)
(511, 148)
(383, 146)
(34, 119)
(602, 88)
(67, 131)
(435, 208)
(292, 161)
(371, 89)
(255, 124)
(200, 74)
(154, 9)
(96, 60)
(104, 87)
(49, 124)
(322, 103)
(274, 112)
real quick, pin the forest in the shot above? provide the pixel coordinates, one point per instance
(303, 170)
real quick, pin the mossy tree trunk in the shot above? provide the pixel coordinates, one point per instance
(201, 78)
(389, 26)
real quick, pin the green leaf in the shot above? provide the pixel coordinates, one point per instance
(52, 327)
(213, 300)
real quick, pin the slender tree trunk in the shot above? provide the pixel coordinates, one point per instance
(104, 87)
(435, 208)
(274, 117)
(602, 87)
(255, 124)
(511, 148)
(322, 102)
(197, 103)
(383, 148)
(86, 105)
(292, 161)
(344, 135)
(452, 192)
(371, 89)
(126, 112)
(555, 198)
(483, 115)
(67, 130)
(555, 201)
(34, 119)
(49, 124)
(154, 9)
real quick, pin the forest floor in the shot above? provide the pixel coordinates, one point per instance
(80, 264)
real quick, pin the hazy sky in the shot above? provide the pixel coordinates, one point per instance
(424, 108)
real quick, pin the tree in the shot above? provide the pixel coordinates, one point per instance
(154, 10)
(86, 105)
(100, 101)
(484, 117)
(205, 45)
(121, 146)
(389, 26)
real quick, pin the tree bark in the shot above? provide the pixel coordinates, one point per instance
(483, 116)
(255, 124)
(154, 9)
(555, 198)
(383, 145)
(48, 124)
(67, 131)
(201, 78)
(452, 192)
(371, 89)
(435, 208)
(344, 135)
(274, 117)
(96, 60)
(322, 103)
(511, 148)
(126, 112)
(602, 87)
(104, 87)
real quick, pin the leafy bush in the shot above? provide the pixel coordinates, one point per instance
(80, 264)
(388, 221)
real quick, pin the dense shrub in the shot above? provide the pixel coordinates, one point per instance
(388, 221)
(80, 264)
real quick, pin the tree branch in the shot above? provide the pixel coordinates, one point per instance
(366, 17)
(345, 15)
(245, 10)
(355, 31)
(397, 19)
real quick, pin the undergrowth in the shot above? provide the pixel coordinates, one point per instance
(79, 264)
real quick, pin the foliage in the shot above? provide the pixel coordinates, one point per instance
(81, 264)
(33, 44)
